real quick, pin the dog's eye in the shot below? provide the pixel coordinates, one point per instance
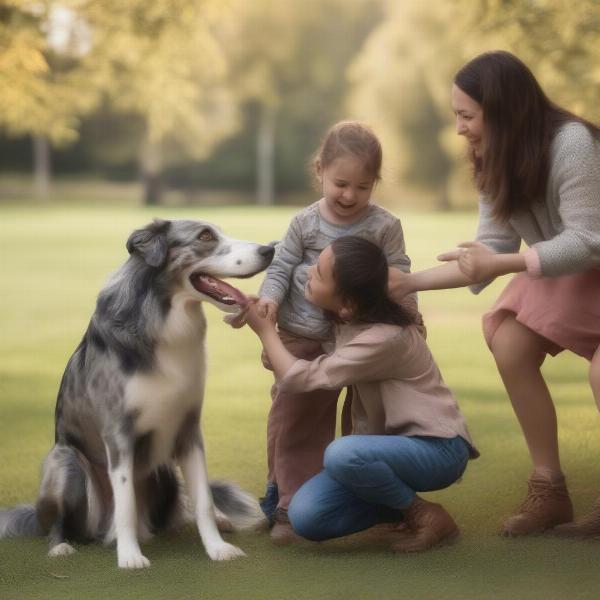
(206, 235)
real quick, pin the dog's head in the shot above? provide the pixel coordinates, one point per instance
(197, 255)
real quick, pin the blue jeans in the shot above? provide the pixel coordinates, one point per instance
(366, 475)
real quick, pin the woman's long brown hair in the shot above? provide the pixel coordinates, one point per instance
(520, 123)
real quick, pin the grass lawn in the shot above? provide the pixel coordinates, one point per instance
(54, 260)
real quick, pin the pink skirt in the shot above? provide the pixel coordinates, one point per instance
(565, 310)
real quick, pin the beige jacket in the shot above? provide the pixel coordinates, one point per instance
(397, 387)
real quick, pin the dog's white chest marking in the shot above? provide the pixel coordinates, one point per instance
(163, 397)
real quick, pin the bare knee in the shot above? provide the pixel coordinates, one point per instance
(517, 348)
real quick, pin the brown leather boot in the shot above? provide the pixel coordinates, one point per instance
(588, 527)
(282, 532)
(425, 525)
(547, 504)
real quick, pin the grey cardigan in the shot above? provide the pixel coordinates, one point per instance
(564, 229)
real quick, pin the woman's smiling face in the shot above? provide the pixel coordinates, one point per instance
(469, 119)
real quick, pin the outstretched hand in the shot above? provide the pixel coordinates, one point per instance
(475, 260)
(257, 308)
(275, 355)
(238, 320)
(255, 319)
(267, 308)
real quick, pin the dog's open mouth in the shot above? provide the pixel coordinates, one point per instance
(218, 290)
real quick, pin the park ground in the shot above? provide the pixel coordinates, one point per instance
(54, 260)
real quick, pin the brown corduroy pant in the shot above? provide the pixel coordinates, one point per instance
(300, 425)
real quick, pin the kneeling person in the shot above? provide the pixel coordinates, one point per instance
(409, 435)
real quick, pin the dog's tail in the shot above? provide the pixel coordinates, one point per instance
(19, 521)
(241, 508)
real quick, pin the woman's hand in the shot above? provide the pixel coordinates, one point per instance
(238, 320)
(264, 307)
(476, 261)
(258, 323)
(275, 355)
(267, 308)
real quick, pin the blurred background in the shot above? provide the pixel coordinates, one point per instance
(116, 111)
(192, 102)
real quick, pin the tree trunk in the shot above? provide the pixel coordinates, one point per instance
(265, 155)
(151, 167)
(41, 167)
(153, 189)
(443, 197)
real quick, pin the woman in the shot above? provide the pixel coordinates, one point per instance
(537, 168)
(408, 433)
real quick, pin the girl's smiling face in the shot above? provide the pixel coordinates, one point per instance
(320, 287)
(347, 188)
(469, 119)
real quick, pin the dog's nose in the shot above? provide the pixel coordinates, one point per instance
(267, 252)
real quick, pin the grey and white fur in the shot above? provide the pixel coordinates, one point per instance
(129, 404)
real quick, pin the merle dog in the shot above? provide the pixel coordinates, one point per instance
(129, 404)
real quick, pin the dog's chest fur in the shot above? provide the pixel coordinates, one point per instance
(166, 397)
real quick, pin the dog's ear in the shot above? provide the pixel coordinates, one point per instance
(150, 242)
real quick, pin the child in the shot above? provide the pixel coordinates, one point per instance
(409, 434)
(537, 168)
(301, 425)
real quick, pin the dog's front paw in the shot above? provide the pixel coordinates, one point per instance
(132, 559)
(224, 551)
(62, 549)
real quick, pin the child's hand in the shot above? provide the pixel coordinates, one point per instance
(267, 308)
(399, 285)
(238, 320)
(258, 323)
(475, 260)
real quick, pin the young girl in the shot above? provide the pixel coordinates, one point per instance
(408, 433)
(537, 167)
(301, 424)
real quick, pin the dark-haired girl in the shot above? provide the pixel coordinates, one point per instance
(537, 168)
(408, 433)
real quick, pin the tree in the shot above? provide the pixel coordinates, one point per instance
(162, 61)
(42, 84)
(394, 81)
(289, 62)
(402, 78)
(558, 39)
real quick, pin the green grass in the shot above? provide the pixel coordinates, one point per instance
(54, 260)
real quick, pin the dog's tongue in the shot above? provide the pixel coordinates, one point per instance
(219, 290)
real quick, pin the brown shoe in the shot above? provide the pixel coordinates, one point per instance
(547, 504)
(425, 525)
(588, 527)
(282, 533)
